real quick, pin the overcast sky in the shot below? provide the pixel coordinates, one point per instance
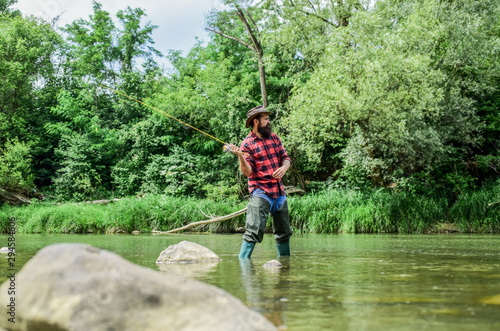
(178, 21)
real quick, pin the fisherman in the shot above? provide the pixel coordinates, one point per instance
(264, 161)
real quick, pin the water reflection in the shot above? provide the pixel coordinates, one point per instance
(189, 270)
(267, 289)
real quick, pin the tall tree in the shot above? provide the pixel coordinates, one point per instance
(91, 50)
(29, 53)
(391, 89)
(27, 50)
(91, 120)
(135, 41)
(225, 23)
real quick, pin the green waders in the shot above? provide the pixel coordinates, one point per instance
(257, 212)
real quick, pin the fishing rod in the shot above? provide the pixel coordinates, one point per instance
(226, 148)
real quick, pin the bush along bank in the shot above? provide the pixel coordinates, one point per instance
(382, 211)
(329, 211)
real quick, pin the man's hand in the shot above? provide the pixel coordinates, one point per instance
(235, 150)
(281, 171)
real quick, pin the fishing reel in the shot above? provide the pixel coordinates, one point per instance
(227, 148)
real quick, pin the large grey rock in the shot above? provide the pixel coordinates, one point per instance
(79, 287)
(187, 252)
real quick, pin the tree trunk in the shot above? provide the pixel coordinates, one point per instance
(213, 220)
(16, 197)
(262, 74)
(255, 47)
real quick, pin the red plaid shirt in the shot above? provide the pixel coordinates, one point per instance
(266, 155)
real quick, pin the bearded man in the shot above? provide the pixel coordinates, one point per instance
(264, 160)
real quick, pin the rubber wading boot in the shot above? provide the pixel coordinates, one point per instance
(283, 249)
(246, 250)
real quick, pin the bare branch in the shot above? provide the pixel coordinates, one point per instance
(313, 15)
(213, 220)
(256, 43)
(312, 6)
(319, 17)
(232, 38)
(253, 21)
(493, 203)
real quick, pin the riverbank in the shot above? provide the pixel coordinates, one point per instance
(330, 211)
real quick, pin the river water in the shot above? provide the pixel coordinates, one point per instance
(334, 282)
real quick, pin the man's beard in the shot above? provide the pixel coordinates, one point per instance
(265, 131)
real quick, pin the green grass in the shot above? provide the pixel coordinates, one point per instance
(159, 213)
(471, 212)
(331, 211)
(366, 212)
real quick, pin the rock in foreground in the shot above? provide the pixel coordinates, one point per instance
(187, 252)
(79, 287)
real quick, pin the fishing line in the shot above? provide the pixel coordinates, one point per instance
(227, 148)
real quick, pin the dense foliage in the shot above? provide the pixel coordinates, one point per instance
(365, 94)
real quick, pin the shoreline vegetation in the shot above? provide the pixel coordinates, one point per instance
(328, 211)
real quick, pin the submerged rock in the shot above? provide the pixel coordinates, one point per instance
(187, 252)
(190, 270)
(79, 287)
(272, 264)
